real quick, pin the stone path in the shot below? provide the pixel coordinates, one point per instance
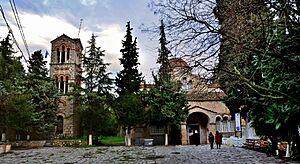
(188, 154)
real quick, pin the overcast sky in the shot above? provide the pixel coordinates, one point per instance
(44, 20)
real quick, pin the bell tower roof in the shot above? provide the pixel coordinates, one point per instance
(64, 36)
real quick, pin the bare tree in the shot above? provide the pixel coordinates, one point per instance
(192, 30)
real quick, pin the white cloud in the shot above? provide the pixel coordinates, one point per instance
(47, 28)
(88, 2)
(40, 29)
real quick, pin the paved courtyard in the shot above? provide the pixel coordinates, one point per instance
(137, 154)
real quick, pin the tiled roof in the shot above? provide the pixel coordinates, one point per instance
(178, 62)
(200, 95)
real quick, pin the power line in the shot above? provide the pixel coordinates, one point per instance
(12, 34)
(17, 18)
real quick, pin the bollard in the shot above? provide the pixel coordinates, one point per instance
(90, 139)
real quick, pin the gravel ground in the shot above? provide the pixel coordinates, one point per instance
(138, 154)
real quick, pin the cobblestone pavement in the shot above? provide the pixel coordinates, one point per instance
(138, 154)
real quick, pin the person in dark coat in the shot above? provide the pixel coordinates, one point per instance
(196, 137)
(211, 139)
(218, 139)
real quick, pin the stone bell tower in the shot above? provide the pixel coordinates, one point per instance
(65, 68)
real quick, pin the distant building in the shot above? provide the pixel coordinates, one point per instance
(65, 68)
(207, 112)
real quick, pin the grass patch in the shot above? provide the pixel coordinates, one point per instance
(112, 140)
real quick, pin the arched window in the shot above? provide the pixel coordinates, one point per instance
(63, 54)
(60, 125)
(218, 124)
(225, 124)
(184, 84)
(68, 54)
(61, 84)
(58, 55)
(67, 83)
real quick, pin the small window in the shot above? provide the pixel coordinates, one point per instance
(225, 118)
(157, 129)
(68, 54)
(61, 84)
(58, 55)
(63, 55)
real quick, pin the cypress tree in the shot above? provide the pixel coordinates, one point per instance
(128, 80)
(163, 54)
(128, 107)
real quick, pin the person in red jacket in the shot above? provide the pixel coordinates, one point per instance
(218, 139)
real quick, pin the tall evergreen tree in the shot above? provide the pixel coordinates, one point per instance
(167, 104)
(16, 109)
(44, 96)
(128, 83)
(163, 55)
(129, 79)
(10, 66)
(95, 94)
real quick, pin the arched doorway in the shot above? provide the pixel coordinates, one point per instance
(60, 125)
(197, 123)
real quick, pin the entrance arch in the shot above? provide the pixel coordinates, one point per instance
(197, 123)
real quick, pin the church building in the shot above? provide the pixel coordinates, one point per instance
(207, 112)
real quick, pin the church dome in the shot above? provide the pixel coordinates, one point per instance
(178, 62)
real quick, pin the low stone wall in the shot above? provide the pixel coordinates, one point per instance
(67, 143)
(29, 144)
(5, 148)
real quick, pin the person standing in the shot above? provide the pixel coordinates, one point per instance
(197, 138)
(218, 139)
(211, 139)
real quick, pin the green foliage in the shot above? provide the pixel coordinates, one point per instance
(129, 110)
(94, 97)
(112, 140)
(163, 56)
(266, 77)
(128, 107)
(44, 96)
(10, 66)
(96, 78)
(167, 104)
(129, 79)
(16, 108)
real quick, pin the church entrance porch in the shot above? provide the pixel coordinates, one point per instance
(197, 128)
